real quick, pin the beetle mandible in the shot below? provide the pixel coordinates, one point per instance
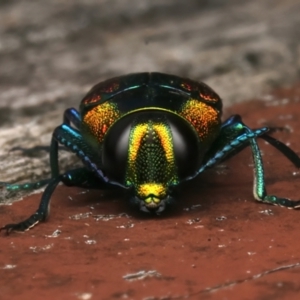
(147, 133)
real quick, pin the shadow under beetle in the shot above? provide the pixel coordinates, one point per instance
(147, 133)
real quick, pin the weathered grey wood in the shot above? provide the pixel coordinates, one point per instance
(52, 52)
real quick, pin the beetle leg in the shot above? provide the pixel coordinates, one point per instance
(232, 147)
(234, 126)
(42, 212)
(24, 186)
(78, 177)
(234, 137)
(54, 158)
(259, 189)
(84, 178)
(230, 135)
(71, 115)
(72, 139)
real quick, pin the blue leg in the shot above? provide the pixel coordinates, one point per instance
(259, 190)
(233, 133)
(71, 115)
(40, 215)
(91, 176)
(234, 137)
(84, 178)
(78, 177)
(72, 140)
(24, 186)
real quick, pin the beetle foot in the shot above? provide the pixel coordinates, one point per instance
(17, 227)
(24, 225)
(284, 202)
(11, 227)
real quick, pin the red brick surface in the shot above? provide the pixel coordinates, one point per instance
(217, 243)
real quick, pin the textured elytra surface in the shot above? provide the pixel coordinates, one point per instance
(51, 53)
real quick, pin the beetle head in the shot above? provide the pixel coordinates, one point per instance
(152, 197)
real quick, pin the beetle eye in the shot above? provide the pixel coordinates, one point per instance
(115, 149)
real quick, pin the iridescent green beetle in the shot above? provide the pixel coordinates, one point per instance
(147, 133)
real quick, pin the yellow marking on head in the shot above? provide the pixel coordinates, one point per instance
(150, 191)
(98, 120)
(204, 118)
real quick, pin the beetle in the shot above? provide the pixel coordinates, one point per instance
(148, 133)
